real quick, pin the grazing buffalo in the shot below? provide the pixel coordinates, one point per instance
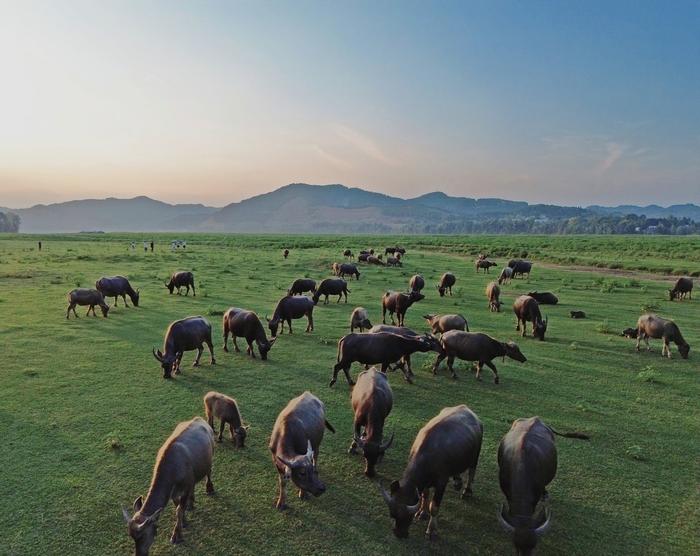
(485, 264)
(335, 269)
(397, 302)
(393, 261)
(395, 251)
(348, 269)
(544, 298)
(447, 446)
(493, 292)
(294, 444)
(367, 252)
(475, 346)
(180, 280)
(331, 286)
(363, 257)
(226, 409)
(683, 288)
(183, 461)
(527, 463)
(246, 324)
(520, 267)
(285, 253)
(359, 319)
(416, 283)
(651, 326)
(577, 314)
(302, 285)
(184, 335)
(115, 286)
(405, 362)
(526, 310)
(439, 324)
(83, 297)
(447, 280)
(629, 333)
(348, 253)
(382, 347)
(289, 308)
(371, 259)
(506, 275)
(372, 400)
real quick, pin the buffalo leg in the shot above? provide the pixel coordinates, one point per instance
(639, 338)
(232, 432)
(115, 300)
(325, 301)
(438, 360)
(668, 348)
(282, 498)
(341, 297)
(517, 326)
(450, 363)
(289, 323)
(491, 366)
(250, 349)
(221, 431)
(235, 344)
(176, 537)
(226, 340)
(351, 382)
(479, 366)
(210, 485)
(353, 445)
(124, 298)
(88, 311)
(200, 350)
(194, 292)
(188, 290)
(178, 361)
(467, 492)
(211, 352)
(310, 325)
(423, 512)
(383, 315)
(457, 482)
(178, 290)
(431, 531)
(303, 495)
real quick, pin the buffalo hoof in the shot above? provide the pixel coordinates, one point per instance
(454, 376)
(408, 379)
(331, 383)
(195, 364)
(226, 349)
(219, 440)
(431, 535)
(422, 515)
(352, 450)
(176, 539)
(496, 380)
(210, 489)
(351, 383)
(467, 493)
(281, 507)
(213, 362)
(303, 495)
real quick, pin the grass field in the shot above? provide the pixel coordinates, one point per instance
(84, 408)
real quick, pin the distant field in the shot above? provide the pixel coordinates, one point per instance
(84, 409)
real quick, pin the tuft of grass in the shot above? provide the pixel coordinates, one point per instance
(649, 374)
(604, 328)
(650, 307)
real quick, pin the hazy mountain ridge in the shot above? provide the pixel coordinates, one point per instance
(332, 208)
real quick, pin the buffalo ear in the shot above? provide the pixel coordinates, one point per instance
(394, 487)
(138, 504)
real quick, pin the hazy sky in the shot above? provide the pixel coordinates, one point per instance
(566, 102)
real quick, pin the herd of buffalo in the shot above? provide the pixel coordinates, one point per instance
(446, 448)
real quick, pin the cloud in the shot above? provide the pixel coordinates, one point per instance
(363, 143)
(336, 161)
(615, 151)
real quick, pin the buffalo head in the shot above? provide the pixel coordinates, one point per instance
(539, 328)
(264, 346)
(513, 351)
(303, 472)
(403, 505)
(142, 528)
(167, 362)
(373, 452)
(525, 530)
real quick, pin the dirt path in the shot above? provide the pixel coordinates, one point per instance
(643, 275)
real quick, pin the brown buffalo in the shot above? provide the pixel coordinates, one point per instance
(83, 297)
(651, 326)
(226, 410)
(526, 310)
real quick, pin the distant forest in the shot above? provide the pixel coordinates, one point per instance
(9, 222)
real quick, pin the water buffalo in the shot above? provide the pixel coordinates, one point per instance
(446, 447)
(348, 253)
(184, 335)
(359, 319)
(527, 463)
(526, 310)
(683, 288)
(397, 302)
(475, 346)
(394, 251)
(506, 275)
(375, 260)
(348, 268)
(447, 280)
(520, 267)
(372, 400)
(246, 324)
(285, 253)
(335, 269)
(405, 362)
(83, 297)
(416, 283)
(652, 326)
(226, 409)
(289, 308)
(485, 264)
(331, 286)
(183, 460)
(115, 286)
(180, 280)
(367, 252)
(302, 285)
(439, 324)
(393, 261)
(629, 333)
(577, 314)
(294, 444)
(382, 347)
(493, 293)
(544, 298)
(363, 257)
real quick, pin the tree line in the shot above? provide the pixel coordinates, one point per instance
(9, 222)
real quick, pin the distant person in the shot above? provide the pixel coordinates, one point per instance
(39, 246)
(145, 246)
(151, 246)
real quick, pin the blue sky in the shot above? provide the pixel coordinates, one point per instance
(563, 102)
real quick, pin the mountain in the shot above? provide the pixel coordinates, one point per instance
(304, 208)
(140, 214)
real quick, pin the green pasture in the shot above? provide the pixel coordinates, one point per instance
(84, 407)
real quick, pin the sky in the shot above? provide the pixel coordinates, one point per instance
(576, 103)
